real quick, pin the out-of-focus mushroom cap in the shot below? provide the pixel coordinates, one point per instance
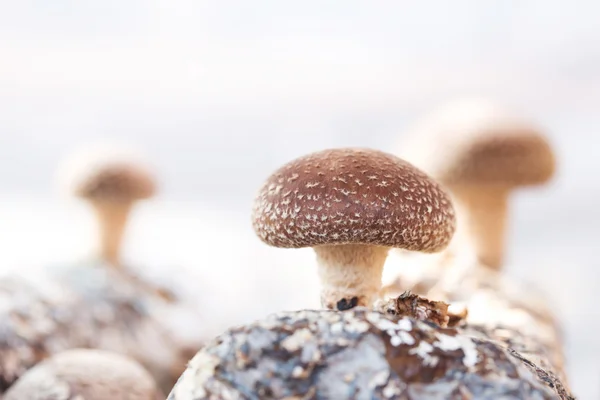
(108, 174)
(477, 142)
(91, 374)
(353, 196)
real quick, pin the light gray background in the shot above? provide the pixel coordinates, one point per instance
(220, 93)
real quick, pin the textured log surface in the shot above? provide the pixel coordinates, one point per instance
(361, 354)
(519, 314)
(87, 306)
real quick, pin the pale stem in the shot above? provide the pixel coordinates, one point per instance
(481, 222)
(112, 218)
(350, 274)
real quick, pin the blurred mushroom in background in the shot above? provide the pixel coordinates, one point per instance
(111, 181)
(481, 152)
(351, 206)
(88, 375)
(102, 302)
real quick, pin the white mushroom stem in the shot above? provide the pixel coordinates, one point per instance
(348, 271)
(112, 217)
(481, 221)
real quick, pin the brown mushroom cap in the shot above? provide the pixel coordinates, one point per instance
(353, 196)
(477, 142)
(117, 181)
(109, 174)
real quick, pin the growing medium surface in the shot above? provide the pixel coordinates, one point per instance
(86, 306)
(358, 354)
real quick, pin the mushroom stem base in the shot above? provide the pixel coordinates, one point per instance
(350, 274)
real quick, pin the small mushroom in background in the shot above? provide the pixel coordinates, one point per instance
(362, 354)
(481, 152)
(85, 374)
(101, 303)
(111, 180)
(351, 206)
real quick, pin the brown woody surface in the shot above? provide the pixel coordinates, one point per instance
(87, 306)
(362, 354)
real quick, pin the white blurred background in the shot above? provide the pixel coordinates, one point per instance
(220, 93)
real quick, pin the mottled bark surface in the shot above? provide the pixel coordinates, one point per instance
(360, 354)
(420, 308)
(519, 314)
(87, 306)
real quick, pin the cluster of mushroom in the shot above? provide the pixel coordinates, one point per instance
(352, 206)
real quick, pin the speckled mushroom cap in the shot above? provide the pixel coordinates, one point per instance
(85, 374)
(108, 173)
(360, 354)
(474, 141)
(353, 196)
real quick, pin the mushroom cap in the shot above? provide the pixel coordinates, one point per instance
(85, 373)
(109, 173)
(353, 196)
(476, 142)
